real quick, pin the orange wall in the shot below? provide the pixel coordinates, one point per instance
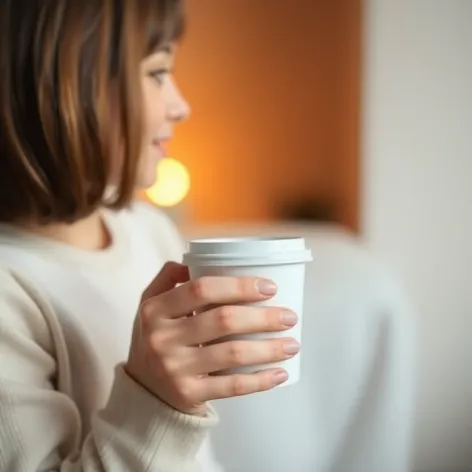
(274, 87)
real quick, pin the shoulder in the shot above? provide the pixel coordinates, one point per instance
(21, 309)
(16, 293)
(160, 227)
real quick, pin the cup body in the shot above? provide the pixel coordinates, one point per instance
(281, 260)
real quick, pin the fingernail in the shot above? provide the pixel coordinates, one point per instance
(280, 377)
(266, 287)
(288, 318)
(291, 348)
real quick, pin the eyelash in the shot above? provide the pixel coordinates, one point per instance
(158, 75)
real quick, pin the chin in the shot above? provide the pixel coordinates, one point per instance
(146, 183)
(147, 175)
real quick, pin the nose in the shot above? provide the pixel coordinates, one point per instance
(178, 109)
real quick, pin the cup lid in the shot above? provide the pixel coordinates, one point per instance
(243, 251)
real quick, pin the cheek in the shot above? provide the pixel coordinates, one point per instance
(153, 116)
(153, 111)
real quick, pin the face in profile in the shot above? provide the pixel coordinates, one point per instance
(88, 104)
(163, 106)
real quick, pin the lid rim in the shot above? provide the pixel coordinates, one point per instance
(248, 250)
(302, 257)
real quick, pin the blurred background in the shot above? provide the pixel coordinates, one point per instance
(275, 93)
(354, 114)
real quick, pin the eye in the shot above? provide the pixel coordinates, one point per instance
(159, 75)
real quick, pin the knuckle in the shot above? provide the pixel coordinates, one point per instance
(272, 351)
(265, 382)
(169, 265)
(270, 319)
(200, 288)
(238, 386)
(245, 286)
(236, 353)
(158, 342)
(277, 350)
(184, 390)
(147, 313)
(224, 319)
(170, 367)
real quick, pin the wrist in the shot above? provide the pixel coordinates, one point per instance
(199, 410)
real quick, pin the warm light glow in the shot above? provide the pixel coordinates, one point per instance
(172, 183)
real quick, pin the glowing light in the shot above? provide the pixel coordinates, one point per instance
(172, 183)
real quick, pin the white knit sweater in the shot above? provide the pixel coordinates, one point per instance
(65, 327)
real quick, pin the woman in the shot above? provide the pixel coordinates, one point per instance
(99, 373)
(87, 103)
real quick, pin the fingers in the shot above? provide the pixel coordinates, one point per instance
(170, 275)
(226, 386)
(200, 293)
(239, 353)
(191, 392)
(228, 320)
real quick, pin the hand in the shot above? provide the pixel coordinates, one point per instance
(173, 354)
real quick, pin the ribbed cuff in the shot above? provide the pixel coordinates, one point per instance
(157, 432)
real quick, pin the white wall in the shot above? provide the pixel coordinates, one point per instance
(418, 198)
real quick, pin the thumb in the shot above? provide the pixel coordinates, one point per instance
(170, 275)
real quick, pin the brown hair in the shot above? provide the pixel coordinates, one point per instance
(61, 61)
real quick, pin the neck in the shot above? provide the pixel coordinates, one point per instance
(90, 233)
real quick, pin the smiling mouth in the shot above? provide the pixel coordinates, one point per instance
(161, 145)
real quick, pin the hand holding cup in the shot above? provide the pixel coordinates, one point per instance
(175, 355)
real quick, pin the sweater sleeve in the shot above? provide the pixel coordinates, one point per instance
(41, 427)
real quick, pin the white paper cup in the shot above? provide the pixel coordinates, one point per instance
(279, 259)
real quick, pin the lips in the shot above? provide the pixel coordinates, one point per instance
(162, 146)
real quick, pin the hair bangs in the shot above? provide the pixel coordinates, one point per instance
(166, 23)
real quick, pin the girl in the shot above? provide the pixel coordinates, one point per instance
(87, 103)
(97, 375)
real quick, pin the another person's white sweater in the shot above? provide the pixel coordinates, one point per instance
(65, 402)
